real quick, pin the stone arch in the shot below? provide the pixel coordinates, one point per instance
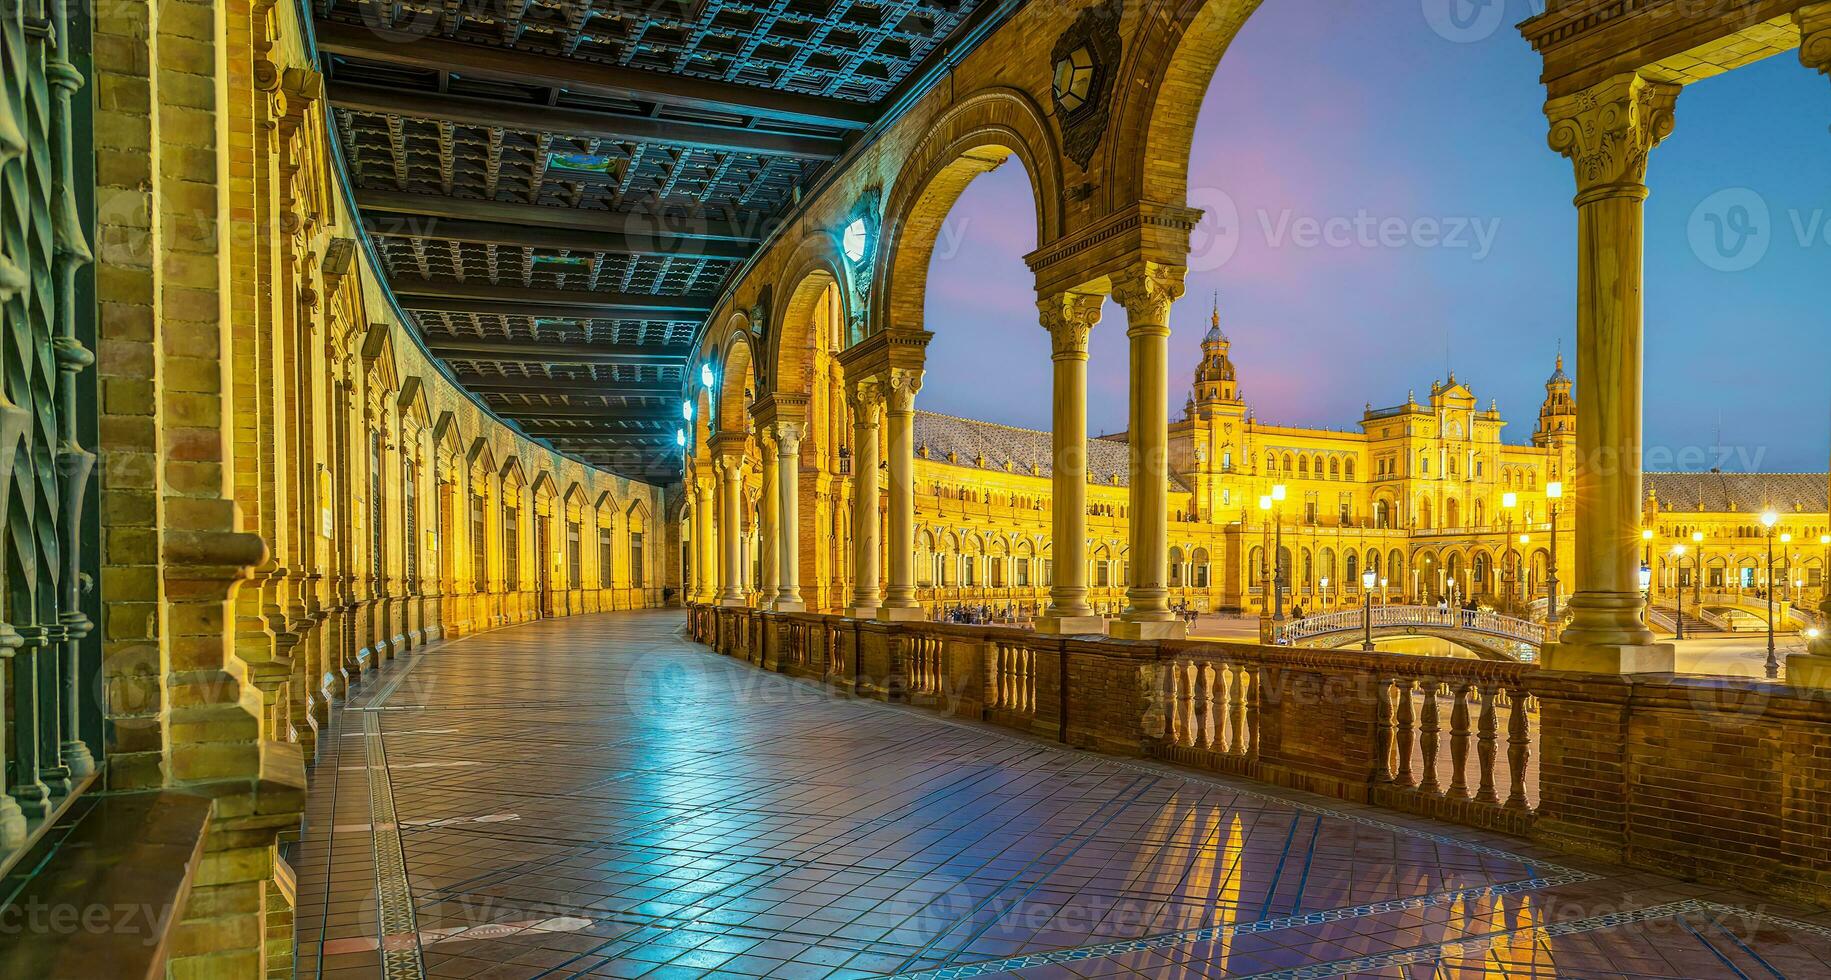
(1158, 96)
(736, 376)
(970, 138)
(790, 342)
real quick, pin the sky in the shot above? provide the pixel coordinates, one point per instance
(1330, 110)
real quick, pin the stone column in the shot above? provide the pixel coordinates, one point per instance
(864, 396)
(766, 525)
(1607, 131)
(900, 387)
(1146, 292)
(788, 517)
(1069, 317)
(731, 529)
(1814, 22)
(705, 581)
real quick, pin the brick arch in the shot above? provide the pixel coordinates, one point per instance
(1171, 62)
(970, 138)
(815, 265)
(736, 373)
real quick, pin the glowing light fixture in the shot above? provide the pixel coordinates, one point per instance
(680, 437)
(705, 374)
(1369, 580)
(1278, 492)
(686, 409)
(1554, 490)
(854, 239)
(1769, 519)
(1509, 500)
(1265, 503)
(1646, 535)
(1697, 537)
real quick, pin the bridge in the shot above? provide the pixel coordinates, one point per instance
(1490, 634)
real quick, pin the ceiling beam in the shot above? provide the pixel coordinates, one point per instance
(542, 386)
(470, 348)
(653, 232)
(557, 434)
(396, 225)
(588, 304)
(589, 413)
(587, 123)
(591, 78)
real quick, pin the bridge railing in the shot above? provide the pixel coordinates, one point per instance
(1424, 617)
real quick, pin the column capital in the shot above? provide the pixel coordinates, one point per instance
(1147, 291)
(1070, 317)
(788, 434)
(1815, 36)
(1608, 129)
(900, 386)
(866, 398)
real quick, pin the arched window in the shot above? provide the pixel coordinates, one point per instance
(1334, 469)
(1347, 469)
(1176, 567)
(1353, 570)
(1303, 466)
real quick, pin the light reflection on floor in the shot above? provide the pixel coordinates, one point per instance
(657, 811)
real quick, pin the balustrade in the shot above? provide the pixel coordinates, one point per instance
(1013, 678)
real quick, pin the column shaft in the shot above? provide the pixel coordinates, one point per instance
(900, 389)
(1147, 294)
(731, 530)
(865, 412)
(1608, 132)
(766, 530)
(1069, 318)
(788, 517)
(705, 558)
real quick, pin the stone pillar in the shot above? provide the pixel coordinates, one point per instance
(1069, 317)
(865, 408)
(1146, 292)
(900, 387)
(788, 517)
(731, 529)
(767, 521)
(1607, 131)
(704, 582)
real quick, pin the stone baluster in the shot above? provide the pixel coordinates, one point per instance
(1459, 740)
(1201, 701)
(1407, 728)
(1485, 742)
(1429, 728)
(1518, 749)
(1382, 730)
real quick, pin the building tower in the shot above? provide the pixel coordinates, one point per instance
(1558, 422)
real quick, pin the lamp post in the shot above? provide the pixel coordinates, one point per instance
(1521, 573)
(1509, 502)
(1678, 564)
(1322, 589)
(1769, 520)
(1697, 569)
(1554, 492)
(1786, 558)
(1646, 567)
(1265, 569)
(1279, 572)
(1367, 582)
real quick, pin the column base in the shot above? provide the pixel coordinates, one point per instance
(786, 605)
(1072, 625)
(1809, 671)
(862, 612)
(1168, 629)
(1609, 658)
(902, 614)
(729, 603)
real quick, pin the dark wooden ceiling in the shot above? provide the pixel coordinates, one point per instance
(560, 189)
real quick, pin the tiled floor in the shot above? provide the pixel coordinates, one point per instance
(598, 797)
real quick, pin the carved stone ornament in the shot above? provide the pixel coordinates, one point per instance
(1083, 63)
(1069, 318)
(1608, 129)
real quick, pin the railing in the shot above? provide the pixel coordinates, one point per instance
(1424, 617)
(1391, 709)
(1603, 765)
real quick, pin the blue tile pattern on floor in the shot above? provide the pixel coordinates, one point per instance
(598, 797)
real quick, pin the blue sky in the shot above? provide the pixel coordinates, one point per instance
(1335, 111)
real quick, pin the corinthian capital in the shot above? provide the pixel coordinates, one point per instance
(1608, 129)
(900, 387)
(1146, 291)
(866, 398)
(1815, 36)
(1069, 318)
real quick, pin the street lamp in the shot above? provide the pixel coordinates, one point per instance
(1265, 569)
(1279, 572)
(1554, 492)
(1697, 569)
(1769, 520)
(1678, 564)
(1786, 555)
(1509, 502)
(1367, 582)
